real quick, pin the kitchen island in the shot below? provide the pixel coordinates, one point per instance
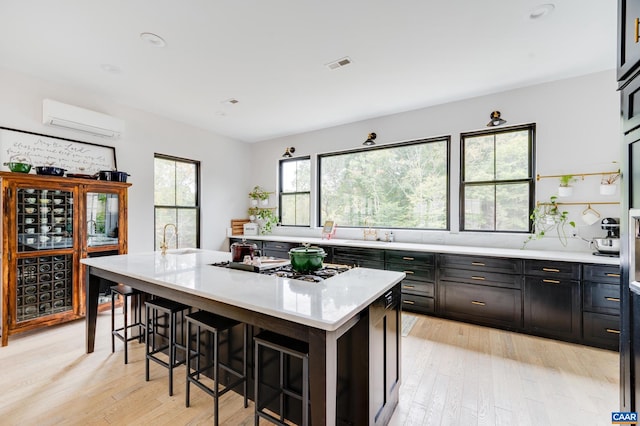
(340, 318)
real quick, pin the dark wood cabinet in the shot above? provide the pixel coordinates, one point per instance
(277, 249)
(418, 288)
(601, 306)
(628, 37)
(552, 299)
(354, 256)
(480, 289)
(384, 353)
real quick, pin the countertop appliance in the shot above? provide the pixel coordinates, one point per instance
(609, 245)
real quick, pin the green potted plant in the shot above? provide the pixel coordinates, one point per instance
(565, 189)
(266, 218)
(546, 217)
(258, 194)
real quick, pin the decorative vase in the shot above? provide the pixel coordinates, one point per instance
(608, 189)
(565, 191)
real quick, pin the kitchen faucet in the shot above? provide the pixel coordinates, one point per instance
(164, 246)
(89, 226)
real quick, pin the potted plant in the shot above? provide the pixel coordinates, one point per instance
(546, 217)
(608, 183)
(258, 194)
(266, 218)
(565, 189)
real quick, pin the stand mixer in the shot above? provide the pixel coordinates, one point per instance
(609, 245)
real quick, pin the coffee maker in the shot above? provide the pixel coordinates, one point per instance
(609, 245)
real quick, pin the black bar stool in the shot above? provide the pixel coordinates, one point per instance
(284, 347)
(213, 325)
(122, 333)
(154, 309)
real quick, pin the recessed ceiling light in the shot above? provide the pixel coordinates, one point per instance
(111, 69)
(153, 39)
(230, 101)
(541, 11)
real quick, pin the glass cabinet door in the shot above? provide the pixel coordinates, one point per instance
(102, 219)
(44, 219)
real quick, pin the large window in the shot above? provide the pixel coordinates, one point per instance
(176, 201)
(389, 186)
(295, 182)
(496, 185)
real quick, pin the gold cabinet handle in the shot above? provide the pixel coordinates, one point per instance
(475, 302)
(408, 258)
(409, 302)
(551, 270)
(637, 29)
(613, 275)
(408, 286)
(477, 278)
(612, 299)
(477, 264)
(409, 272)
(613, 331)
(551, 281)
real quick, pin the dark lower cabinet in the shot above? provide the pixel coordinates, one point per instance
(601, 330)
(481, 304)
(552, 308)
(384, 354)
(364, 257)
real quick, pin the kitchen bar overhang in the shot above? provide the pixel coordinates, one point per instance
(336, 310)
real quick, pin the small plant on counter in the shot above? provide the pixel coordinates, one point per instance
(548, 216)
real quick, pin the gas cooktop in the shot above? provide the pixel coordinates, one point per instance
(286, 271)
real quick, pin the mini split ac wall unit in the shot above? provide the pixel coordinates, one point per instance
(71, 117)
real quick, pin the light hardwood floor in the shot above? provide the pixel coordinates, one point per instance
(453, 374)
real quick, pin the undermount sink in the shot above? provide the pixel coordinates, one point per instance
(183, 251)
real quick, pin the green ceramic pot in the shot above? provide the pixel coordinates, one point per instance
(306, 259)
(19, 167)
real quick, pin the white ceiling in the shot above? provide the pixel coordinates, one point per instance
(271, 54)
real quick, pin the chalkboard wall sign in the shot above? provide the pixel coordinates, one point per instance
(42, 150)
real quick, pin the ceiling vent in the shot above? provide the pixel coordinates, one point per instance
(339, 63)
(71, 117)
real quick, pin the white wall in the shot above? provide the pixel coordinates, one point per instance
(577, 124)
(223, 184)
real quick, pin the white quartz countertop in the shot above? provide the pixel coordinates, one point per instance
(326, 305)
(563, 256)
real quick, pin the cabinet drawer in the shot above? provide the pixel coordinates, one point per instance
(367, 258)
(485, 264)
(602, 330)
(482, 304)
(413, 272)
(601, 297)
(417, 287)
(410, 257)
(552, 269)
(411, 302)
(481, 277)
(280, 246)
(601, 273)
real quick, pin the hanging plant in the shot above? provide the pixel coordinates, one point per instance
(267, 218)
(565, 189)
(258, 193)
(546, 217)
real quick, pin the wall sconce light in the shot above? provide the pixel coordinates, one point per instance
(370, 140)
(495, 119)
(287, 153)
